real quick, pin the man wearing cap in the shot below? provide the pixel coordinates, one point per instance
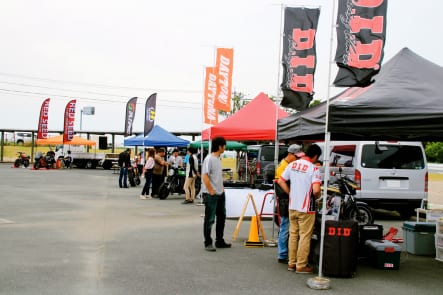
(294, 152)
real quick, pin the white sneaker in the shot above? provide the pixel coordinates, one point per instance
(142, 197)
(148, 197)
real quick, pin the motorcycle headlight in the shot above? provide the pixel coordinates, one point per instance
(171, 172)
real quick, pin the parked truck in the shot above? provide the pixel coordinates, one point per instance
(80, 157)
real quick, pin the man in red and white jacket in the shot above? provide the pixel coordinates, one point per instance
(305, 179)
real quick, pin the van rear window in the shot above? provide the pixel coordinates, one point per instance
(392, 156)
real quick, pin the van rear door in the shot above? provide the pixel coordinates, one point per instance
(392, 171)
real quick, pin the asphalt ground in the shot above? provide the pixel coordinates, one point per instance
(75, 232)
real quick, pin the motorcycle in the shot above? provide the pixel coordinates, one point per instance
(46, 161)
(22, 160)
(173, 184)
(133, 175)
(342, 203)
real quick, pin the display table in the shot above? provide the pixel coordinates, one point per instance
(236, 198)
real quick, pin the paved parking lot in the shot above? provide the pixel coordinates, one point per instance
(75, 232)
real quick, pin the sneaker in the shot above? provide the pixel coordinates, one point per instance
(222, 244)
(283, 260)
(210, 248)
(305, 269)
(142, 197)
(291, 267)
(186, 202)
(148, 197)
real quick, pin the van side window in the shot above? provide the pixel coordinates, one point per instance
(342, 156)
(392, 156)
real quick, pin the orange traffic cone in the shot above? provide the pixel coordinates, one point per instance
(254, 240)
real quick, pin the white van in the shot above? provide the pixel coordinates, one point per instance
(391, 175)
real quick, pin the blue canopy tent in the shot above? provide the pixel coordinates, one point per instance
(157, 137)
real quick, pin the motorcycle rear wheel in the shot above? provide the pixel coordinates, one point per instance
(163, 191)
(26, 163)
(363, 215)
(17, 163)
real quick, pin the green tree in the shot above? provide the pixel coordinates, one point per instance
(434, 152)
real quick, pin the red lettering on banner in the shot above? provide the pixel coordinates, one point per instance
(372, 50)
(346, 232)
(302, 83)
(357, 23)
(308, 61)
(367, 3)
(331, 231)
(303, 39)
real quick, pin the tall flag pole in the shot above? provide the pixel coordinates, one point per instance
(42, 131)
(68, 129)
(209, 111)
(361, 32)
(224, 66)
(299, 56)
(150, 113)
(130, 114)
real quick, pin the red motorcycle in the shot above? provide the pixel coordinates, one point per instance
(22, 160)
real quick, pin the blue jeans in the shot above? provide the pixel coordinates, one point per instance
(123, 175)
(215, 206)
(283, 237)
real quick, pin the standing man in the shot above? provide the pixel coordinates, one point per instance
(191, 174)
(214, 196)
(157, 174)
(294, 153)
(175, 160)
(305, 180)
(124, 161)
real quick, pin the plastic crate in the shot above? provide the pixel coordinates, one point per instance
(384, 254)
(439, 253)
(419, 237)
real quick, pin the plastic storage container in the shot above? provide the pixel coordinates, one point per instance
(384, 254)
(419, 237)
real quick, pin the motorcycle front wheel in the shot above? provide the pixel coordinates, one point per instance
(26, 163)
(163, 191)
(17, 163)
(361, 214)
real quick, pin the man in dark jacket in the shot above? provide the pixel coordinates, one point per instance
(124, 161)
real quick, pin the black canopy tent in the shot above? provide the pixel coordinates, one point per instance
(404, 103)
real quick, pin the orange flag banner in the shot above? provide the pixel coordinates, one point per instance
(210, 112)
(224, 68)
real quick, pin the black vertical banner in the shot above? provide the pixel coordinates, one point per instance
(299, 56)
(130, 114)
(150, 113)
(361, 32)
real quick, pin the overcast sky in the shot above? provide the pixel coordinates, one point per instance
(104, 52)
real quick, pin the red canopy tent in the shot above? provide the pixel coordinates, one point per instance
(255, 121)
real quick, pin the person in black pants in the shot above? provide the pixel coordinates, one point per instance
(124, 161)
(157, 174)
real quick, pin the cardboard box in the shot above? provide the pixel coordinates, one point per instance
(384, 254)
(419, 237)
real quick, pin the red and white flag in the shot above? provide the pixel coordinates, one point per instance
(42, 131)
(209, 110)
(224, 66)
(68, 129)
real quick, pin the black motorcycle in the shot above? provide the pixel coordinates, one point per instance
(173, 184)
(133, 175)
(341, 201)
(22, 160)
